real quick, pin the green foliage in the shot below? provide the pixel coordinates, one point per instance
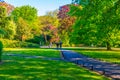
(48, 25)
(28, 45)
(7, 26)
(23, 29)
(80, 2)
(27, 12)
(96, 24)
(10, 29)
(1, 48)
(2, 20)
(18, 44)
(66, 23)
(25, 18)
(55, 20)
(2, 13)
(37, 40)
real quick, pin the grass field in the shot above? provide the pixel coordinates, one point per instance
(37, 52)
(19, 68)
(112, 56)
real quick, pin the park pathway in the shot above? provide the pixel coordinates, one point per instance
(107, 69)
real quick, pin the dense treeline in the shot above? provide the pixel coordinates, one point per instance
(24, 25)
(83, 22)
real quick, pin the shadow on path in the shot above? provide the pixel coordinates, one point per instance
(26, 56)
(107, 69)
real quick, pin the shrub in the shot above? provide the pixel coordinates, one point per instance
(1, 47)
(18, 44)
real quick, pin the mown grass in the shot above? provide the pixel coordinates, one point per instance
(20, 68)
(112, 56)
(30, 52)
(107, 56)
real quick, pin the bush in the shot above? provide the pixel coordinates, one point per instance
(18, 44)
(1, 47)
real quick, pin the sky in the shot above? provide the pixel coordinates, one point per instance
(42, 6)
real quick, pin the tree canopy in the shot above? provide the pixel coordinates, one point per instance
(27, 12)
(98, 21)
(88, 22)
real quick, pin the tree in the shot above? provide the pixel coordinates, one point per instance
(82, 29)
(8, 7)
(25, 18)
(102, 20)
(23, 30)
(26, 12)
(110, 23)
(48, 26)
(2, 20)
(10, 29)
(2, 17)
(66, 23)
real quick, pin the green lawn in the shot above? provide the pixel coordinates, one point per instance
(100, 53)
(19, 68)
(30, 52)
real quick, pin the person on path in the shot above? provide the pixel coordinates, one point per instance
(57, 45)
(60, 44)
(50, 45)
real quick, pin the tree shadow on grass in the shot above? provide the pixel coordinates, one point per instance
(15, 68)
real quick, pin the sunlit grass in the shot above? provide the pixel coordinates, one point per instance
(108, 56)
(20, 68)
(37, 69)
(32, 51)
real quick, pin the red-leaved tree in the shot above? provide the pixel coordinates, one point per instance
(66, 23)
(9, 7)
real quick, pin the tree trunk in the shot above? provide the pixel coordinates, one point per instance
(0, 56)
(0, 59)
(108, 46)
(45, 38)
(23, 38)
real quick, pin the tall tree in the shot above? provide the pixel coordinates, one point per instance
(23, 30)
(66, 23)
(102, 20)
(48, 28)
(2, 20)
(28, 16)
(109, 22)
(10, 29)
(8, 7)
(7, 26)
(27, 12)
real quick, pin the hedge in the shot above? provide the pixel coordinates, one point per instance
(17, 44)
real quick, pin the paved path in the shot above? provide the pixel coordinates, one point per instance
(107, 69)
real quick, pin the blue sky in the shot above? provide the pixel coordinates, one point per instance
(41, 5)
